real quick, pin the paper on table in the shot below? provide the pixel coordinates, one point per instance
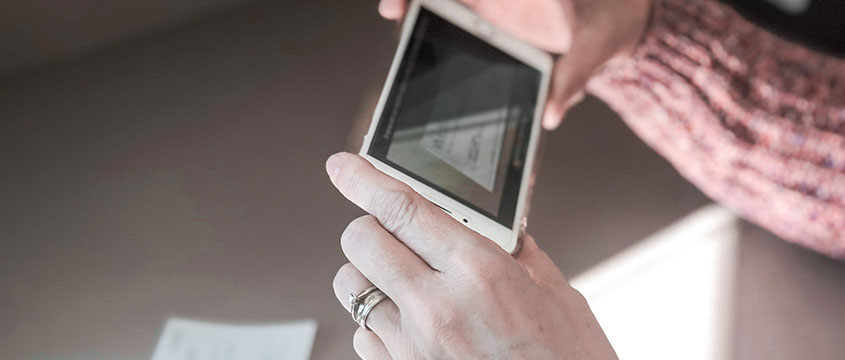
(194, 340)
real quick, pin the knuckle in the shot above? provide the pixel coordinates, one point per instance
(361, 343)
(356, 231)
(442, 325)
(398, 209)
(481, 267)
(575, 296)
(352, 181)
(341, 278)
(485, 274)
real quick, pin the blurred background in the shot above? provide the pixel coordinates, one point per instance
(165, 158)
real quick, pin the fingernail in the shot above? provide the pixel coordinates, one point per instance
(551, 119)
(333, 165)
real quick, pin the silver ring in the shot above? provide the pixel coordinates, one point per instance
(360, 305)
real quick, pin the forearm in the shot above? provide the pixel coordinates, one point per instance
(756, 122)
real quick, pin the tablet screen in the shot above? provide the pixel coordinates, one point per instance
(458, 117)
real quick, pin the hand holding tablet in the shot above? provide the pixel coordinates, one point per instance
(451, 293)
(447, 166)
(459, 118)
(592, 33)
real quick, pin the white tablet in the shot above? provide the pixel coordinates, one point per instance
(459, 118)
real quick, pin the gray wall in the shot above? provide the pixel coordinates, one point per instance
(38, 32)
(181, 173)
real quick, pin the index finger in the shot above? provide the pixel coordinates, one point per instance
(396, 9)
(422, 227)
(392, 9)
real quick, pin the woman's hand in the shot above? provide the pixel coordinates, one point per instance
(453, 293)
(590, 32)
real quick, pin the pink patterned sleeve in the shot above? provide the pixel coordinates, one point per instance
(755, 121)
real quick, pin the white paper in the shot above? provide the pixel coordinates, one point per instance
(194, 340)
(471, 144)
(670, 296)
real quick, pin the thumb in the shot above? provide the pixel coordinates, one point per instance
(537, 263)
(591, 48)
(393, 9)
(569, 77)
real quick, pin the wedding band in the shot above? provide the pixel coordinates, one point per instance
(360, 305)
